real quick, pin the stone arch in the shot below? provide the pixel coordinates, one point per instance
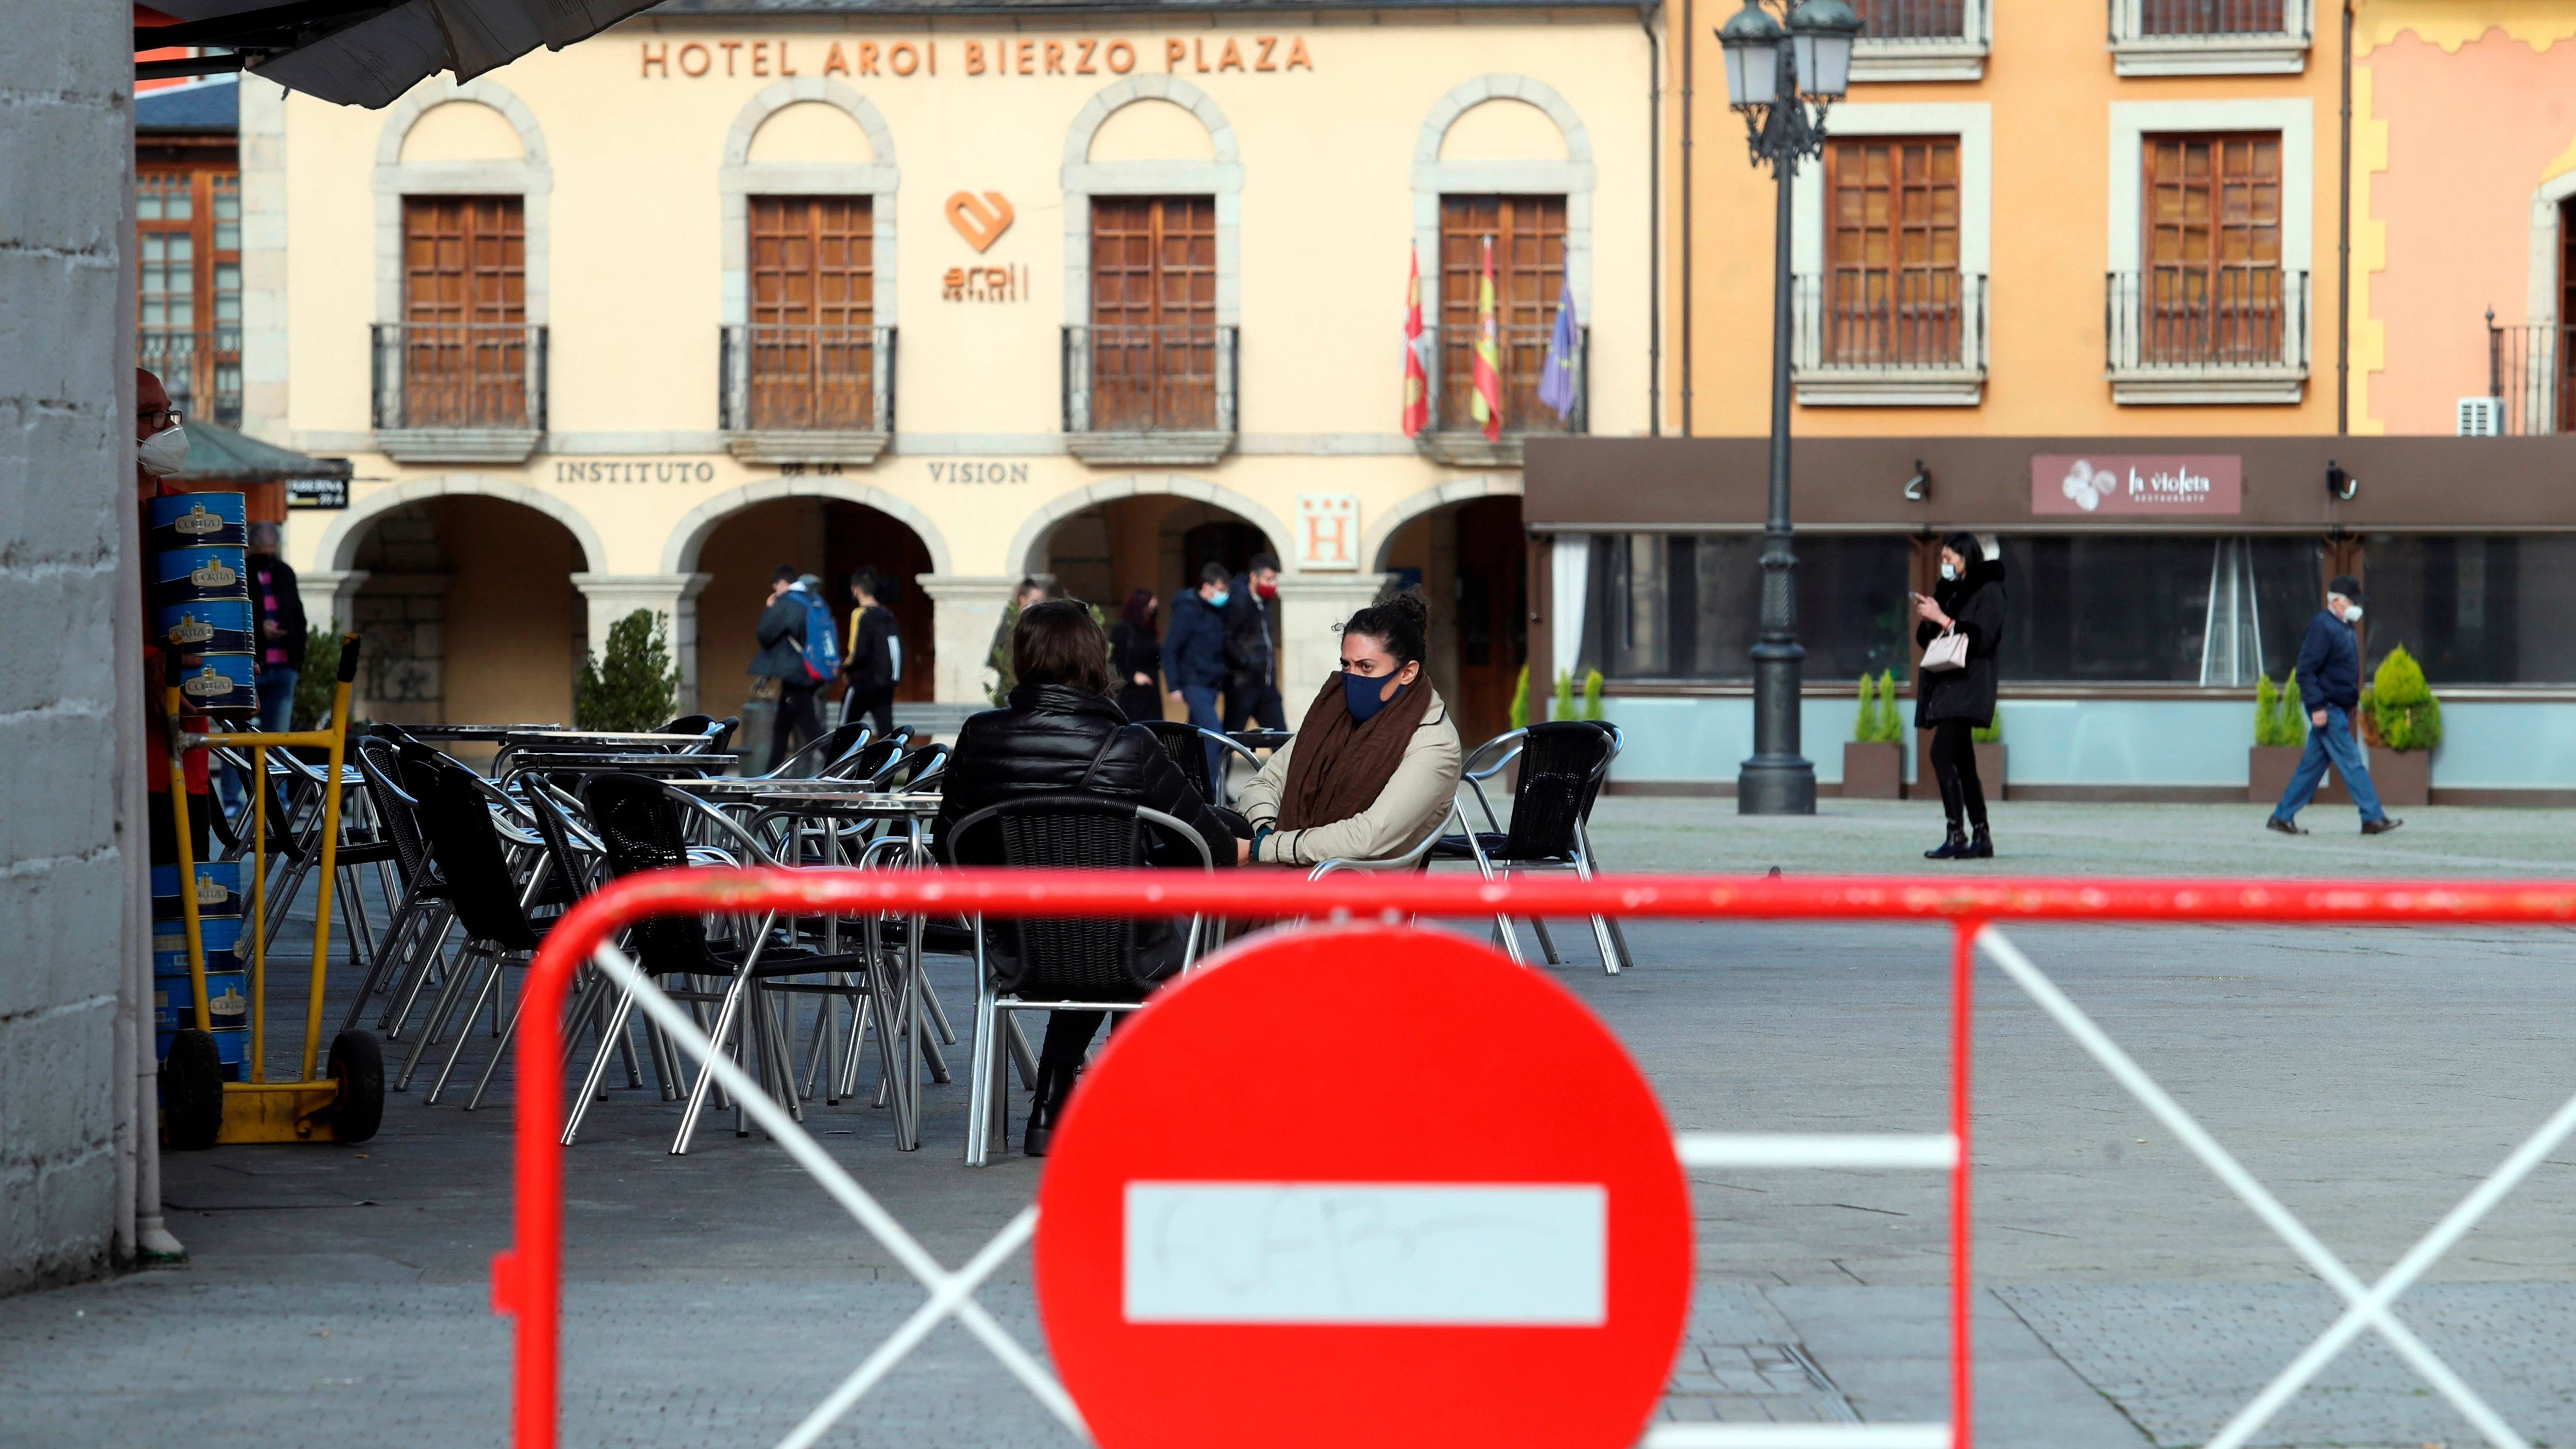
(1023, 556)
(530, 178)
(739, 178)
(1572, 177)
(1085, 178)
(1380, 536)
(690, 534)
(338, 547)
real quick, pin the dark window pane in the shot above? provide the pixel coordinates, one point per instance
(2474, 609)
(2121, 609)
(1688, 606)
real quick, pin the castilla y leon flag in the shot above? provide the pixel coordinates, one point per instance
(1417, 382)
(1487, 406)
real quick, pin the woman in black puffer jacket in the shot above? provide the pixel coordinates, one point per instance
(1952, 702)
(1061, 731)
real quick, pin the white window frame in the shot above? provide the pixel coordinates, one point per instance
(1962, 59)
(2285, 52)
(2294, 117)
(1973, 123)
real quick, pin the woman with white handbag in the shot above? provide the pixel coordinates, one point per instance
(1954, 687)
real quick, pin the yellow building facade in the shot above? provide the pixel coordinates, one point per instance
(964, 300)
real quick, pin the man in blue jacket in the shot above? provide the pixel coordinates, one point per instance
(2330, 689)
(1194, 651)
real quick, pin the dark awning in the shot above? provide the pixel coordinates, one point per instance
(367, 52)
(218, 454)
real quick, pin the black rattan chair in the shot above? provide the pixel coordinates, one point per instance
(1562, 765)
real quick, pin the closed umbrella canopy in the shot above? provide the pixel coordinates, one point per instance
(366, 52)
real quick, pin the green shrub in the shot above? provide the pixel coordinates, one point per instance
(1564, 706)
(2402, 704)
(1865, 723)
(635, 687)
(2268, 726)
(1891, 723)
(1989, 732)
(2294, 714)
(321, 678)
(1592, 694)
(1520, 700)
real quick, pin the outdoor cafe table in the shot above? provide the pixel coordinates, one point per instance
(902, 1019)
(604, 762)
(475, 734)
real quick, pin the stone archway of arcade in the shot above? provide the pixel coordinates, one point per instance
(1156, 541)
(826, 537)
(468, 612)
(1471, 561)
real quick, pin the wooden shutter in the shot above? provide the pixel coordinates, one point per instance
(812, 353)
(2214, 290)
(1529, 276)
(1893, 294)
(465, 296)
(1153, 313)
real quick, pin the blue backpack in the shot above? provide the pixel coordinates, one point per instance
(822, 641)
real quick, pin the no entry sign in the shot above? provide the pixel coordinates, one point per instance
(1364, 1187)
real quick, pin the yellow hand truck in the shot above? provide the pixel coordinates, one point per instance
(199, 1107)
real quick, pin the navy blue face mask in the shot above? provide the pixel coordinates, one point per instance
(1359, 695)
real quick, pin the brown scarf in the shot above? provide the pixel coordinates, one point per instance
(1341, 766)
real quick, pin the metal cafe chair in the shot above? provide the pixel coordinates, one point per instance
(1065, 965)
(1188, 746)
(868, 759)
(1562, 765)
(419, 899)
(488, 897)
(819, 753)
(644, 825)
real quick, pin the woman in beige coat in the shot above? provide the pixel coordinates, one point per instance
(1374, 765)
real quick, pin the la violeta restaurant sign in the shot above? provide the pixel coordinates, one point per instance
(2113, 484)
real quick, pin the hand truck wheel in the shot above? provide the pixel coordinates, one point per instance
(358, 1065)
(192, 1090)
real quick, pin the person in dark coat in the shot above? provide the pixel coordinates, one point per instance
(2329, 677)
(1136, 658)
(1950, 703)
(781, 634)
(873, 663)
(1194, 654)
(277, 619)
(1252, 647)
(1062, 732)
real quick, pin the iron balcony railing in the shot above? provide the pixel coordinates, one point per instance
(2197, 321)
(201, 370)
(1883, 322)
(2529, 377)
(459, 375)
(2208, 19)
(806, 379)
(1916, 19)
(1170, 379)
(1524, 354)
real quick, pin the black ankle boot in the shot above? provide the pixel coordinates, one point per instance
(1950, 849)
(1055, 1086)
(1981, 848)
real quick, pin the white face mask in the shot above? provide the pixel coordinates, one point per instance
(1949, 571)
(2351, 612)
(164, 453)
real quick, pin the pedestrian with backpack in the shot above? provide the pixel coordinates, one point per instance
(875, 665)
(786, 661)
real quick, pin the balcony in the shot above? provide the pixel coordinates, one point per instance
(2231, 336)
(459, 392)
(2529, 378)
(201, 370)
(2211, 37)
(1149, 395)
(806, 394)
(1453, 436)
(1916, 340)
(1922, 40)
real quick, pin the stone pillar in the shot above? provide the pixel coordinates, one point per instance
(1310, 648)
(964, 608)
(330, 596)
(74, 898)
(612, 597)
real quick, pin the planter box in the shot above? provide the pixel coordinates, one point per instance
(2268, 769)
(1990, 769)
(1874, 770)
(2402, 777)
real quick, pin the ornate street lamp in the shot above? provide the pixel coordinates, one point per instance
(1774, 72)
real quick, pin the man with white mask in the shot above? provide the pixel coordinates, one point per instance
(160, 450)
(2329, 675)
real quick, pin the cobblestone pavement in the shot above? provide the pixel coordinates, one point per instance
(338, 1294)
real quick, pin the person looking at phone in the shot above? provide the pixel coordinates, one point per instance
(1950, 702)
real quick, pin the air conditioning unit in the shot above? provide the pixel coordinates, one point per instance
(2482, 417)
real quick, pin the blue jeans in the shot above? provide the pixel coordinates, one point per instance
(1202, 705)
(276, 716)
(2333, 743)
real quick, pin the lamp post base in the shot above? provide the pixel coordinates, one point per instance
(1776, 785)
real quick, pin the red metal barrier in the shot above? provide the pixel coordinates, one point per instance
(526, 1280)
